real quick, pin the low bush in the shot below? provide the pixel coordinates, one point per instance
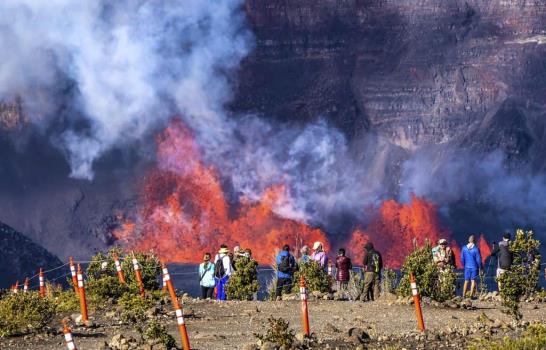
(134, 308)
(316, 279)
(243, 283)
(105, 288)
(24, 312)
(534, 338)
(278, 333)
(389, 281)
(66, 301)
(433, 282)
(158, 332)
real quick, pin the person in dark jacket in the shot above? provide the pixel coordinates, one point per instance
(286, 264)
(472, 262)
(373, 264)
(343, 267)
(503, 255)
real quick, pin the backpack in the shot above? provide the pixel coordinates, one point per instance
(375, 262)
(285, 265)
(219, 270)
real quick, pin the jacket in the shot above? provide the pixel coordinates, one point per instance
(321, 258)
(368, 261)
(470, 257)
(503, 254)
(343, 266)
(206, 275)
(281, 274)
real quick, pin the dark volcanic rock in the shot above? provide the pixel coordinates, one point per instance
(22, 258)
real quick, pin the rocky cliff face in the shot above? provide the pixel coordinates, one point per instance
(414, 72)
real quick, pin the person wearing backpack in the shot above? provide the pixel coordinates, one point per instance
(286, 264)
(206, 277)
(222, 270)
(373, 264)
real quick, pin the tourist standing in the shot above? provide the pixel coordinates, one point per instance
(286, 265)
(222, 270)
(472, 262)
(319, 255)
(206, 277)
(343, 267)
(373, 264)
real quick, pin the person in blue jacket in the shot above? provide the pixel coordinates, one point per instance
(286, 265)
(472, 261)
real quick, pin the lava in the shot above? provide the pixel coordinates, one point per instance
(396, 228)
(184, 212)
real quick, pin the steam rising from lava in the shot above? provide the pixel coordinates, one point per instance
(111, 71)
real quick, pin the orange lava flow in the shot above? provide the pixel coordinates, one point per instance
(395, 228)
(184, 213)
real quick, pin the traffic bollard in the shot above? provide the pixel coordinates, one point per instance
(138, 275)
(177, 309)
(74, 276)
(25, 285)
(304, 309)
(16, 287)
(42, 283)
(417, 302)
(68, 337)
(121, 277)
(81, 290)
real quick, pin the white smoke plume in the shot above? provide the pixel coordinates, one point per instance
(128, 63)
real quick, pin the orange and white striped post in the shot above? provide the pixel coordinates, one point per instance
(42, 283)
(304, 310)
(74, 275)
(417, 302)
(25, 285)
(177, 308)
(121, 277)
(16, 287)
(81, 290)
(138, 275)
(68, 337)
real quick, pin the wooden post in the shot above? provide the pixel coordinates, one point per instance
(83, 301)
(417, 302)
(304, 309)
(177, 309)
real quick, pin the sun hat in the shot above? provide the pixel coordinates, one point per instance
(316, 245)
(223, 251)
(442, 241)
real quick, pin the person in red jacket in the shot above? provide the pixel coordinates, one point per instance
(343, 267)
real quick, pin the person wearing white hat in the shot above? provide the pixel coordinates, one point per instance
(319, 255)
(222, 271)
(443, 255)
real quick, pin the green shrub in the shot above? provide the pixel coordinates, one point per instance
(157, 331)
(278, 333)
(105, 288)
(433, 282)
(243, 283)
(355, 285)
(316, 279)
(522, 277)
(24, 312)
(133, 307)
(389, 281)
(534, 338)
(102, 268)
(66, 301)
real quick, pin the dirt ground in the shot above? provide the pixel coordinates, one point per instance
(232, 324)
